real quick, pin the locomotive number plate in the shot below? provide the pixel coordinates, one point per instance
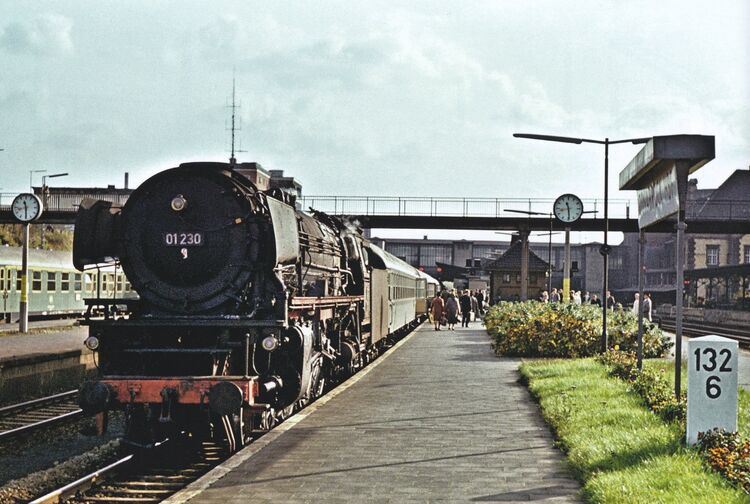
(183, 239)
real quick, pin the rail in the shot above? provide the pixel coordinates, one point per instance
(24, 417)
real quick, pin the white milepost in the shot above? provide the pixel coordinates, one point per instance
(712, 385)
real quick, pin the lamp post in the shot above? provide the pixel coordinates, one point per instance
(31, 176)
(605, 248)
(44, 195)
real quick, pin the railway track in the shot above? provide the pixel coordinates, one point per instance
(22, 418)
(150, 476)
(692, 328)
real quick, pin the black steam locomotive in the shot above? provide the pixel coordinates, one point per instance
(247, 310)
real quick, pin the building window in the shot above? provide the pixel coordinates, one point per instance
(746, 254)
(712, 255)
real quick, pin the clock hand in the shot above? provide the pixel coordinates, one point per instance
(25, 210)
(568, 207)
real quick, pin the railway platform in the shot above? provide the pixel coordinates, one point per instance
(438, 419)
(42, 362)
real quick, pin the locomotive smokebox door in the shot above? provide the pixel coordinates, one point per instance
(190, 239)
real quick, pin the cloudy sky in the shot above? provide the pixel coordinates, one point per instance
(373, 97)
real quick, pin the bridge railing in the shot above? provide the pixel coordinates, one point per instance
(453, 207)
(440, 206)
(64, 202)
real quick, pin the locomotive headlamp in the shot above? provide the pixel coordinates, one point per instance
(179, 203)
(92, 342)
(270, 343)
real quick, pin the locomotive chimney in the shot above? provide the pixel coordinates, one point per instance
(126, 180)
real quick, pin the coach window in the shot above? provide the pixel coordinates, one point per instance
(18, 280)
(77, 282)
(64, 282)
(89, 281)
(506, 278)
(118, 284)
(2, 279)
(36, 281)
(51, 281)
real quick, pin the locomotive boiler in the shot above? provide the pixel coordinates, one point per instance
(248, 308)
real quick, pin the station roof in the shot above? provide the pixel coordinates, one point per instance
(511, 260)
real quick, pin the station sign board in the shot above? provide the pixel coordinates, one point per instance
(659, 173)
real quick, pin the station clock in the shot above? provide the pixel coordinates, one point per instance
(26, 207)
(568, 208)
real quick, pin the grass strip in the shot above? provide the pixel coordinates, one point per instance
(618, 449)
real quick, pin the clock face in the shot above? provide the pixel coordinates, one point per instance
(26, 207)
(568, 208)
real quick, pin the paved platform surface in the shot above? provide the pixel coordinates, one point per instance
(38, 342)
(440, 419)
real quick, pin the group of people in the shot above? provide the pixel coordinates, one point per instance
(447, 306)
(577, 298)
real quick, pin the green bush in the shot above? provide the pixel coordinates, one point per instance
(651, 384)
(533, 329)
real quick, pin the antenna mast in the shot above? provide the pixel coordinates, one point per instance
(236, 124)
(232, 160)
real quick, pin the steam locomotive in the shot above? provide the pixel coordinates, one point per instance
(248, 308)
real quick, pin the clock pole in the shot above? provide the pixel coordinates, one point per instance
(23, 321)
(566, 267)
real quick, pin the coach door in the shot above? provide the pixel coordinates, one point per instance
(379, 304)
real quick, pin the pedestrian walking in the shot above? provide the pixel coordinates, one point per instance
(452, 311)
(465, 304)
(480, 303)
(438, 311)
(554, 297)
(611, 302)
(647, 306)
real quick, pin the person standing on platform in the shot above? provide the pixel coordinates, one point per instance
(474, 306)
(452, 311)
(647, 306)
(586, 299)
(611, 302)
(596, 301)
(438, 311)
(554, 297)
(544, 297)
(480, 303)
(577, 297)
(465, 303)
(635, 305)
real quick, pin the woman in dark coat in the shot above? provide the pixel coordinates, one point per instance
(437, 309)
(452, 311)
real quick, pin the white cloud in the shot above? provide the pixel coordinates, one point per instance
(49, 34)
